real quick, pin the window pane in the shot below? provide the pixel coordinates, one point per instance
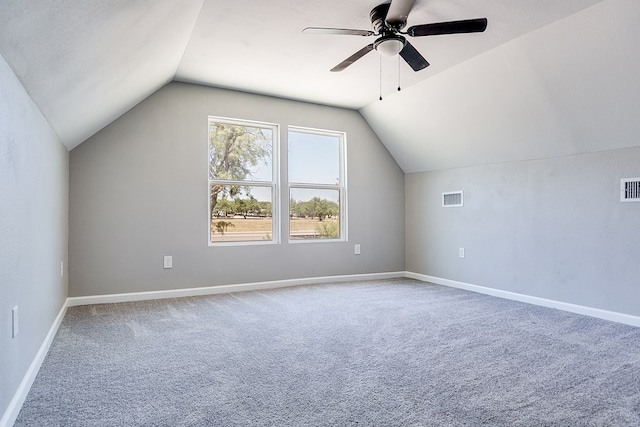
(241, 214)
(314, 159)
(314, 214)
(240, 153)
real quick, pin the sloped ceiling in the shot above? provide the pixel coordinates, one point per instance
(86, 63)
(568, 88)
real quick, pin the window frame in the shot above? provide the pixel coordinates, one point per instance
(274, 184)
(341, 187)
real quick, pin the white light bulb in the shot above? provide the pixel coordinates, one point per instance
(390, 47)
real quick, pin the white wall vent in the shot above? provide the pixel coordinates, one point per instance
(452, 199)
(630, 190)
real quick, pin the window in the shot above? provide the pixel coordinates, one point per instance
(317, 188)
(243, 177)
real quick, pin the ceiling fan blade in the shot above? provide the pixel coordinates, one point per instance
(353, 58)
(454, 27)
(337, 31)
(399, 12)
(413, 57)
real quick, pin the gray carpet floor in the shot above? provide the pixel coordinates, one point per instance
(380, 353)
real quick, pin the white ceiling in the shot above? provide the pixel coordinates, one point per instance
(85, 63)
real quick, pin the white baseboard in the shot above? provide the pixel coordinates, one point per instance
(12, 411)
(573, 308)
(223, 289)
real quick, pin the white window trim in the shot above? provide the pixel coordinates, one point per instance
(342, 188)
(276, 214)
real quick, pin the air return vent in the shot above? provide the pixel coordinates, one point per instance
(452, 199)
(630, 190)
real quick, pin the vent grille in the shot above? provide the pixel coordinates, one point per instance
(452, 199)
(630, 190)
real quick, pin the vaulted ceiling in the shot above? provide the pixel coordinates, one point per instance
(85, 63)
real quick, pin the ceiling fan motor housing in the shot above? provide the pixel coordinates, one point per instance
(390, 43)
(378, 17)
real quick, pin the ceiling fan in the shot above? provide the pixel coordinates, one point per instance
(388, 20)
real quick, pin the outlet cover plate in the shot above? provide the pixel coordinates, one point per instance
(168, 261)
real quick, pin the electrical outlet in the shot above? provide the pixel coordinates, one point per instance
(461, 252)
(14, 322)
(356, 249)
(61, 269)
(168, 261)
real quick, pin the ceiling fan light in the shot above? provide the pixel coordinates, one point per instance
(390, 46)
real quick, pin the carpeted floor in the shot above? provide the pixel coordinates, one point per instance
(380, 353)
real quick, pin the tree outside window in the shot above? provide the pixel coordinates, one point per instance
(242, 188)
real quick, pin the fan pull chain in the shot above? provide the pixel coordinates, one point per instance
(380, 56)
(399, 89)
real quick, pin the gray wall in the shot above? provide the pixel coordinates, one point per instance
(33, 229)
(551, 228)
(538, 133)
(138, 191)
